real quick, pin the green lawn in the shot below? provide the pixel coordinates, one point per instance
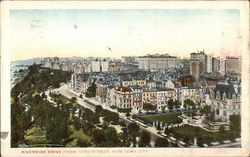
(36, 131)
(80, 135)
(203, 136)
(165, 118)
(35, 135)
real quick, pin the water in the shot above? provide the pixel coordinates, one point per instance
(14, 68)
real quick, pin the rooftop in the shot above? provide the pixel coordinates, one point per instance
(157, 56)
(123, 89)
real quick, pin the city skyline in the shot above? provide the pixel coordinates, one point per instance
(123, 32)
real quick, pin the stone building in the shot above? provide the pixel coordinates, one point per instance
(225, 101)
(121, 97)
(79, 82)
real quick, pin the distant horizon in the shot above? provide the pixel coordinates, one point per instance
(110, 57)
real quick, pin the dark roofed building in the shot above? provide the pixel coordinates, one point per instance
(225, 101)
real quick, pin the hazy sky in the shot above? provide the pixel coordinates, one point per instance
(65, 33)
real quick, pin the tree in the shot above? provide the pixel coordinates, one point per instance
(122, 123)
(77, 123)
(185, 105)
(171, 104)
(127, 114)
(235, 122)
(161, 142)
(56, 133)
(133, 129)
(44, 96)
(148, 107)
(111, 116)
(111, 137)
(124, 139)
(98, 136)
(206, 110)
(189, 103)
(98, 109)
(37, 99)
(73, 99)
(144, 139)
(176, 104)
(17, 132)
(82, 143)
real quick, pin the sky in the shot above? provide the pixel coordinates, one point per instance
(127, 32)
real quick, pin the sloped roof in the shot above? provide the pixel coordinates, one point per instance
(227, 89)
(123, 89)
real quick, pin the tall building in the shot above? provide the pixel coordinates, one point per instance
(209, 64)
(201, 57)
(215, 64)
(79, 82)
(196, 68)
(100, 65)
(219, 65)
(233, 64)
(157, 62)
(104, 66)
(222, 68)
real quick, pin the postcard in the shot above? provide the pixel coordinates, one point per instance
(130, 78)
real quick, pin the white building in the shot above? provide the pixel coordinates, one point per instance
(121, 97)
(215, 64)
(156, 62)
(79, 83)
(222, 68)
(209, 64)
(99, 65)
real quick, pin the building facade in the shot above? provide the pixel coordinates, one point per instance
(79, 83)
(225, 101)
(121, 97)
(157, 62)
(196, 68)
(233, 65)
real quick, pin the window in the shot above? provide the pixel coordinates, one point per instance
(217, 111)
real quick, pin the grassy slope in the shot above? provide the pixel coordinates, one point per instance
(35, 135)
